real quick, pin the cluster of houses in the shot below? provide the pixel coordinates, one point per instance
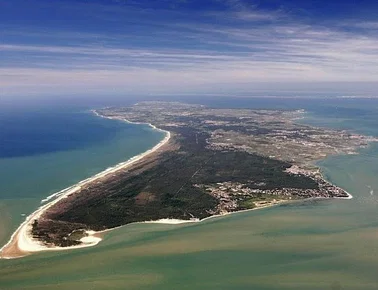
(231, 194)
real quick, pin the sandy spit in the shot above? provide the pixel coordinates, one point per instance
(22, 243)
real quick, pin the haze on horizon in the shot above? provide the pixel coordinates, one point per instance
(139, 47)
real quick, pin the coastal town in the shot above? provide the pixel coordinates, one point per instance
(235, 196)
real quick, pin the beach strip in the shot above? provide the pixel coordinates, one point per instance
(21, 242)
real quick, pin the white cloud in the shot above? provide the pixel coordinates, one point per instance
(366, 25)
(212, 56)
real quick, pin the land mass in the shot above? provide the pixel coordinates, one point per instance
(212, 162)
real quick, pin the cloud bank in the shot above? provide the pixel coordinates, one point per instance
(140, 50)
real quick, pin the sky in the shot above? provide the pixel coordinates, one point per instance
(127, 47)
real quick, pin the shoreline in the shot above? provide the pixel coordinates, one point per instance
(94, 237)
(305, 114)
(168, 221)
(21, 243)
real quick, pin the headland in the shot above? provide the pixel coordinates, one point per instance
(212, 162)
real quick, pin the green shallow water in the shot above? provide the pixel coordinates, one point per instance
(26, 180)
(310, 245)
(329, 244)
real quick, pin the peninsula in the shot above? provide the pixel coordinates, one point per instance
(211, 162)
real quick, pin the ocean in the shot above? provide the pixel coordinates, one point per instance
(328, 244)
(47, 150)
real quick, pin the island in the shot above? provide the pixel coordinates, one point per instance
(213, 161)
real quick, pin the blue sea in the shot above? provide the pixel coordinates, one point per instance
(317, 245)
(44, 150)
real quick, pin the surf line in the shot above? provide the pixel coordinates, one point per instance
(21, 241)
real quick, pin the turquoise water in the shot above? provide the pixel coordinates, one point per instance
(45, 152)
(311, 245)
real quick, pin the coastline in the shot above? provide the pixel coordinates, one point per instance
(21, 243)
(94, 237)
(305, 114)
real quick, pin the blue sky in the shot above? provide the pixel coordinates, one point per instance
(188, 46)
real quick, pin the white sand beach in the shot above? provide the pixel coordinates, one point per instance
(21, 242)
